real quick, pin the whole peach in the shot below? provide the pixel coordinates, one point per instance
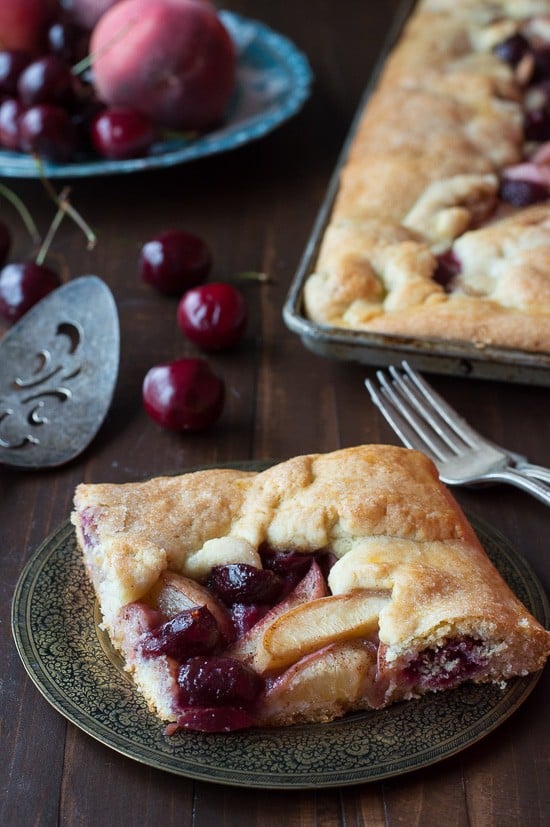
(24, 23)
(172, 60)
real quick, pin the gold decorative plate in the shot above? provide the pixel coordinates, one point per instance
(54, 623)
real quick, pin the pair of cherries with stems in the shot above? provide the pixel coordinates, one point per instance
(24, 283)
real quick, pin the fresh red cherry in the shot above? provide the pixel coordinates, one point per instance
(183, 395)
(68, 41)
(213, 316)
(12, 63)
(5, 243)
(46, 80)
(48, 131)
(122, 133)
(174, 261)
(11, 111)
(22, 285)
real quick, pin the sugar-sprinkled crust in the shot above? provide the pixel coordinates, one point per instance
(423, 178)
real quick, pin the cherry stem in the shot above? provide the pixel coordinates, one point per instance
(251, 275)
(58, 218)
(64, 204)
(24, 213)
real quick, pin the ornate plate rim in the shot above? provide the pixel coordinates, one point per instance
(308, 750)
(253, 35)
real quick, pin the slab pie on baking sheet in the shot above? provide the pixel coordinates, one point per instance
(324, 584)
(440, 228)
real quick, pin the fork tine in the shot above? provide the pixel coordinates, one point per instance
(451, 417)
(392, 415)
(427, 438)
(425, 405)
(409, 427)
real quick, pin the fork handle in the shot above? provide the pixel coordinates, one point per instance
(537, 472)
(517, 478)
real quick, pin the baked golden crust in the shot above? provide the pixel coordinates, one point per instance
(408, 574)
(423, 177)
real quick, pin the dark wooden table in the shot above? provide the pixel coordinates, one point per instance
(255, 206)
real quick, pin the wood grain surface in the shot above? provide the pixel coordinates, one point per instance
(255, 206)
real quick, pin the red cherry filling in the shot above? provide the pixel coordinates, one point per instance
(190, 632)
(286, 562)
(448, 266)
(446, 666)
(522, 193)
(536, 125)
(218, 681)
(512, 49)
(244, 616)
(243, 583)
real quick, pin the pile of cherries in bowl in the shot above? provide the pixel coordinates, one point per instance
(89, 78)
(48, 110)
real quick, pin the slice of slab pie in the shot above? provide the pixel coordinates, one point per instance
(324, 584)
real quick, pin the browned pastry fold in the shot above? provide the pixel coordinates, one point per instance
(422, 178)
(411, 602)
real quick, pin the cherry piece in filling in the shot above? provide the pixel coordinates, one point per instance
(522, 193)
(448, 266)
(536, 126)
(183, 395)
(190, 632)
(214, 680)
(512, 49)
(243, 583)
(244, 616)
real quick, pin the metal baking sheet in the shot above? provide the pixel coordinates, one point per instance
(427, 354)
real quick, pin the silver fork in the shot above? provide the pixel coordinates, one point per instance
(424, 421)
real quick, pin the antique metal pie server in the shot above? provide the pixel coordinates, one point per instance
(58, 370)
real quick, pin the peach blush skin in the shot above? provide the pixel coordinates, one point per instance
(172, 60)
